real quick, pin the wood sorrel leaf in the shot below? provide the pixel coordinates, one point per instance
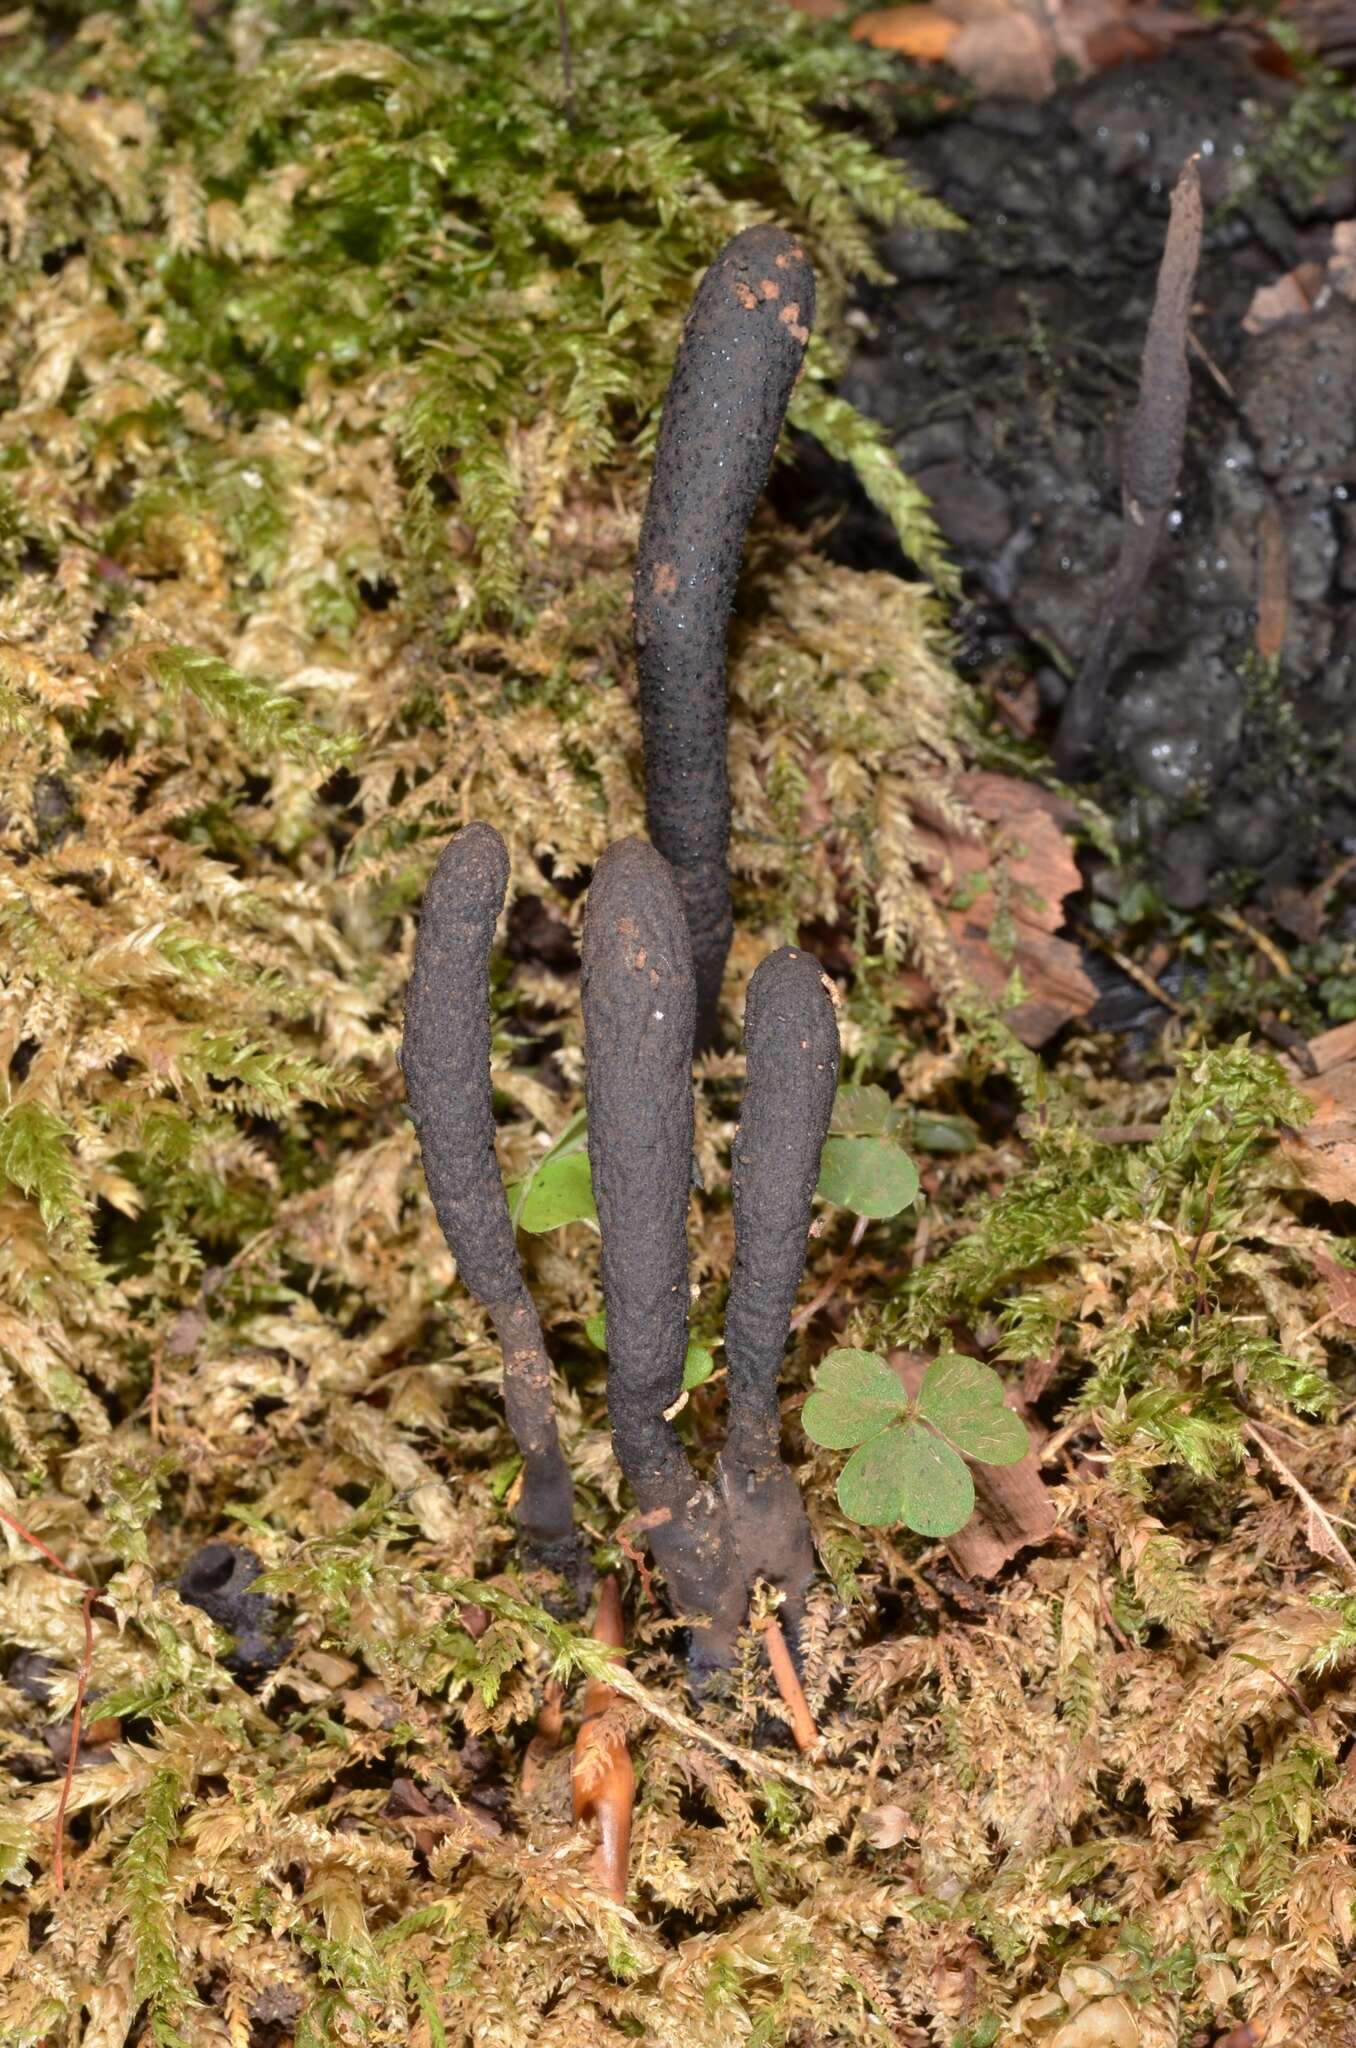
(964, 1400)
(698, 1364)
(856, 1396)
(938, 1492)
(863, 1112)
(870, 1176)
(559, 1191)
(907, 1475)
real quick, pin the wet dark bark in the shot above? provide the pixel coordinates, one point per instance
(740, 354)
(639, 999)
(446, 1063)
(1153, 463)
(791, 1038)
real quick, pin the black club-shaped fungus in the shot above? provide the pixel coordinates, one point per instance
(1151, 467)
(446, 1062)
(741, 351)
(639, 999)
(791, 1039)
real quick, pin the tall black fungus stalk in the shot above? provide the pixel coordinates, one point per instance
(1152, 464)
(791, 1038)
(740, 354)
(639, 1002)
(446, 1062)
(639, 997)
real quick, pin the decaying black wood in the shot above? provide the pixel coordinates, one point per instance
(791, 1039)
(446, 1063)
(1152, 465)
(740, 354)
(639, 1000)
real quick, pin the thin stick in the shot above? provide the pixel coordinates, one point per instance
(756, 1765)
(1319, 1532)
(830, 1287)
(81, 1683)
(566, 65)
(1267, 947)
(789, 1685)
(1137, 974)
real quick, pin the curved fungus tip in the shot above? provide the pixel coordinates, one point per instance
(791, 1041)
(445, 1057)
(742, 349)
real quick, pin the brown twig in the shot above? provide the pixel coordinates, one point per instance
(1139, 975)
(830, 1287)
(1268, 948)
(81, 1684)
(1319, 1532)
(789, 1685)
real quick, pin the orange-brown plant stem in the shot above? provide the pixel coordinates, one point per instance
(81, 1683)
(789, 1685)
(604, 1778)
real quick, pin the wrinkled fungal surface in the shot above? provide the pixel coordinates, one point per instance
(639, 999)
(741, 351)
(791, 1039)
(446, 1063)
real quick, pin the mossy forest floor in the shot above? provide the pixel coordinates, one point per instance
(328, 374)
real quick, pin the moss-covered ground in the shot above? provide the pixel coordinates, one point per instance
(333, 344)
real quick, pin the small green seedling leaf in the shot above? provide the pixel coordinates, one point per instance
(863, 1112)
(698, 1364)
(856, 1396)
(964, 1400)
(870, 1176)
(698, 1367)
(931, 1133)
(559, 1191)
(907, 1475)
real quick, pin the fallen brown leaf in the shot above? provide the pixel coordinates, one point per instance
(1324, 1152)
(1308, 284)
(1340, 1282)
(1004, 901)
(1013, 46)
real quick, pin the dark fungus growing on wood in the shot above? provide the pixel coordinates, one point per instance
(639, 999)
(1152, 464)
(446, 1063)
(741, 351)
(791, 1038)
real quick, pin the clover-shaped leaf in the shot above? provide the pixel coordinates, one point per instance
(862, 1166)
(908, 1475)
(870, 1176)
(863, 1112)
(558, 1191)
(856, 1395)
(964, 1400)
(906, 1464)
